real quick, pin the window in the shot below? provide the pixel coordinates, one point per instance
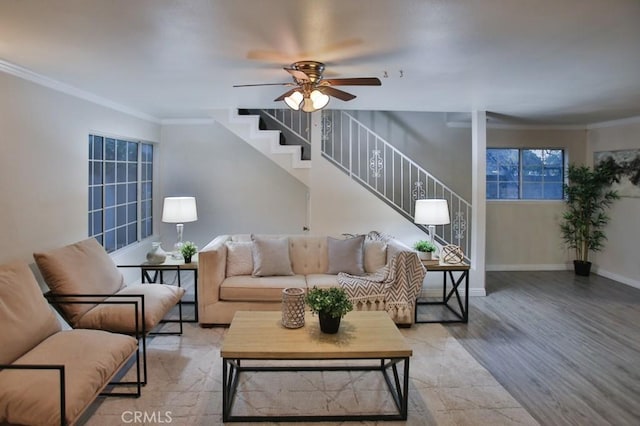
(526, 174)
(120, 191)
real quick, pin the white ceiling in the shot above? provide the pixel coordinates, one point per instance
(539, 61)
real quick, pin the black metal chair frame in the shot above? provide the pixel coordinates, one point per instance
(61, 368)
(140, 332)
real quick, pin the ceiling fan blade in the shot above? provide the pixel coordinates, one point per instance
(284, 95)
(344, 96)
(297, 74)
(359, 81)
(263, 84)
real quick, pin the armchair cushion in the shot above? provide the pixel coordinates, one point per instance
(119, 318)
(81, 268)
(25, 316)
(90, 357)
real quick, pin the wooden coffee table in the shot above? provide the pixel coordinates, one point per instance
(362, 336)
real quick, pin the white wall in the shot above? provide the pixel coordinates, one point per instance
(237, 189)
(524, 235)
(619, 259)
(43, 164)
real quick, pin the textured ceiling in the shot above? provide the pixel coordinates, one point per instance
(534, 61)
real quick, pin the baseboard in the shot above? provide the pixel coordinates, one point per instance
(531, 267)
(562, 267)
(618, 278)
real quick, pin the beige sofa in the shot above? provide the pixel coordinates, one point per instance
(228, 266)
(45, 371)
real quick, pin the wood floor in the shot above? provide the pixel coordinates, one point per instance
(566, 347)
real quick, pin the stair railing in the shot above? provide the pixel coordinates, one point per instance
(392, 176)
(297, 122)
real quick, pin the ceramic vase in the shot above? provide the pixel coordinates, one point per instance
(156, 255)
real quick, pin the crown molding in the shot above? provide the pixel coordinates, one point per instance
(614, 123)
(50, 83)
(187, 121)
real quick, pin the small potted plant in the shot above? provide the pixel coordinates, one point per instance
(331, 304)
(187, 250)
(425, 249)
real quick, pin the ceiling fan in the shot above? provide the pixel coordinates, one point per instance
(312, 92)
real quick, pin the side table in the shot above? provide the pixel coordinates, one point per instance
(462, 311)
(154, 273)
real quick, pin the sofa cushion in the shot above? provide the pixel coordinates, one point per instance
(25, 316)
(239, 258)
(119, 318)
(308, 254)
(346, 255)
(81, 268)
(322, 281)
(375, 255)
(90, 357)
(271, 257)
(258, 289)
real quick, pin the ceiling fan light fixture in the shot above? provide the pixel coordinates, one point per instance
(319, 99)
(294, 100)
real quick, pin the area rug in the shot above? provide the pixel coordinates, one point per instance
(447, 387)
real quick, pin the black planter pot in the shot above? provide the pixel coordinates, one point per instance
(328, 324)
(582, 268)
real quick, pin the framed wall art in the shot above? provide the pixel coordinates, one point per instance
(628, 164)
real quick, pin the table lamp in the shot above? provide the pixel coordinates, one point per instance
(179, 210)
(432, 212)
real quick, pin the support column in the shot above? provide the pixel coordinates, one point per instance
(479, 202)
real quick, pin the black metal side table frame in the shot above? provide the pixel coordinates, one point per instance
(461, 311)
(149, 273)
(158, 272)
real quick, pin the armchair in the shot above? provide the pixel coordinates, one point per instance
(49, 376)
(86, 286)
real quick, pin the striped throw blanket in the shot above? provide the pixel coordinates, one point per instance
(395, 286)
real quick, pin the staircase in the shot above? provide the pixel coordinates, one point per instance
(360, 153)
(390, 175)
(247, 127)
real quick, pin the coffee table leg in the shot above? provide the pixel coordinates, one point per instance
(230, 371)
(399, 393)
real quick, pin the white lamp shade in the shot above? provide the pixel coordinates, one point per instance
(432, 212)
(179, 210)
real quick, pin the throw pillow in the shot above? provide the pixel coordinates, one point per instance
(375, 255)
(239, 258)
(271, 257)
(346, 255)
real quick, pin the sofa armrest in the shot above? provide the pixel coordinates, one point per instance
(409, 267)
(212, 268)
(395, 246)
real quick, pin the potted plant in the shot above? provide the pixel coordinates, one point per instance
(425, 249)
(188, 249)
(331, 304)
(588, 195)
